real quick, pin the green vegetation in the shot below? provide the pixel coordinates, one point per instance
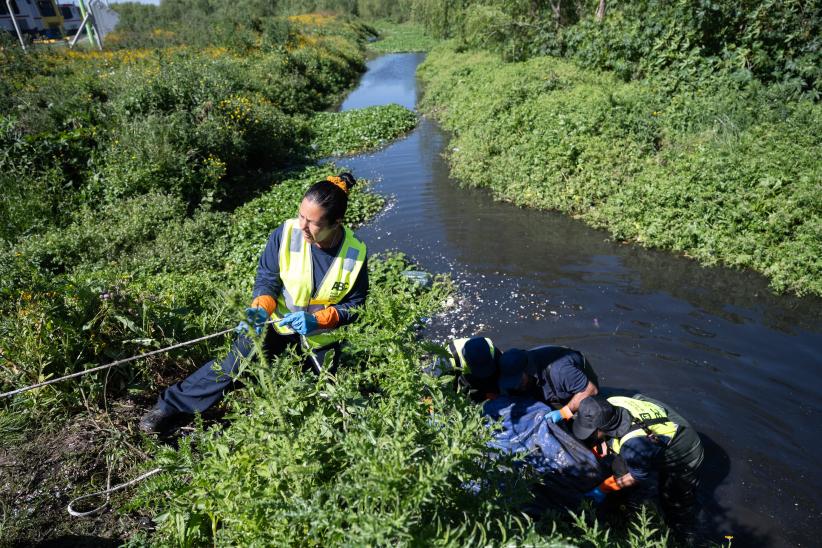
(338, 133)
(381, 453)
(682, 42)
(119, 174)
(400, 37)
(137, 187)
(691, 126)
(722, 174)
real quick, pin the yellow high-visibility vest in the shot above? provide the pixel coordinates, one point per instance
(654, 416)
(296, 273)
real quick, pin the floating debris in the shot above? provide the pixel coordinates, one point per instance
(419, 278)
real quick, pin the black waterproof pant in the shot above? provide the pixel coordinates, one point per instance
(679, 473)
(679, 479)
(208, 384)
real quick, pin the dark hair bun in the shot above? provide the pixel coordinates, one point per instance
(349, 180)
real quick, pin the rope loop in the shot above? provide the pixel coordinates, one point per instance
(107, 492)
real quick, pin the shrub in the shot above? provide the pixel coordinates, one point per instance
(396, 38)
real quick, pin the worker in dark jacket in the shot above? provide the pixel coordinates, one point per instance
(651, 448)
(558, 376)
(311, 278)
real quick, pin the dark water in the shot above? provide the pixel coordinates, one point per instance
(740, 363)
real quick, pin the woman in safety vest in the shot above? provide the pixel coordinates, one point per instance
(650, 446)
(311, 278)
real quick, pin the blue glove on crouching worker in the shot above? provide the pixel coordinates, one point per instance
(301, 322)
(595, 495)
(255, 319)
(555, 416)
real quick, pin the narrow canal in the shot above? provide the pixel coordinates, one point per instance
(742, 364)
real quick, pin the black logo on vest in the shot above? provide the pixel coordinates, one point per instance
(338, 287)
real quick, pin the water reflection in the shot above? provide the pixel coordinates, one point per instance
(389, 79)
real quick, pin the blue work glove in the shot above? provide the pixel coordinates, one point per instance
(301, 322)
(555, 416)
(595, 495)
(256, 318)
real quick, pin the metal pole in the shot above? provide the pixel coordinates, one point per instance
(16, 27)
(97, 35)
(79, 32)
(90, 30)
(318, 368)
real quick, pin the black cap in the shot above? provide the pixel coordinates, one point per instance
(512, 364)
(593, 413)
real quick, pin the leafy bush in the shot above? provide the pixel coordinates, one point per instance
(681, 42)
(146, 234)
(112, 163)
(58, 325)
(134, 274)
(82, 129)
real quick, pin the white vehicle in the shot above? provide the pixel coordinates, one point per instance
(34, 17)
(71, 17)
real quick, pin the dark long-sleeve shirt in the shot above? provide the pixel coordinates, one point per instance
(268, 280)
(559, 373)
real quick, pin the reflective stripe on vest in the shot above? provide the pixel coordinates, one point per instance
(296, 273)
(654, 416)
(457, 346)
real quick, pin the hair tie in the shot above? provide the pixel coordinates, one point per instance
(338, 182)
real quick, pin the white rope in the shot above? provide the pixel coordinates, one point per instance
(107, 492)
(119, 362)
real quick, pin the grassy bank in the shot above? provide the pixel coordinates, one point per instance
(381, 453)
(122, 293)
(121, 177)
(724, 173)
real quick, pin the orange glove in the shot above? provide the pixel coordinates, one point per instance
(265, 301)
(327, 318)
(609, 484)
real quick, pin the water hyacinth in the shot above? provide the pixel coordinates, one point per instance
(340, 133)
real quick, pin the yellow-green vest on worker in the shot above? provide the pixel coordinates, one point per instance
(654, 417)
(296, 273)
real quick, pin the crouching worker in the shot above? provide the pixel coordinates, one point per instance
(476, 362)
(652, 448)
(558, 376)
(311, 277)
